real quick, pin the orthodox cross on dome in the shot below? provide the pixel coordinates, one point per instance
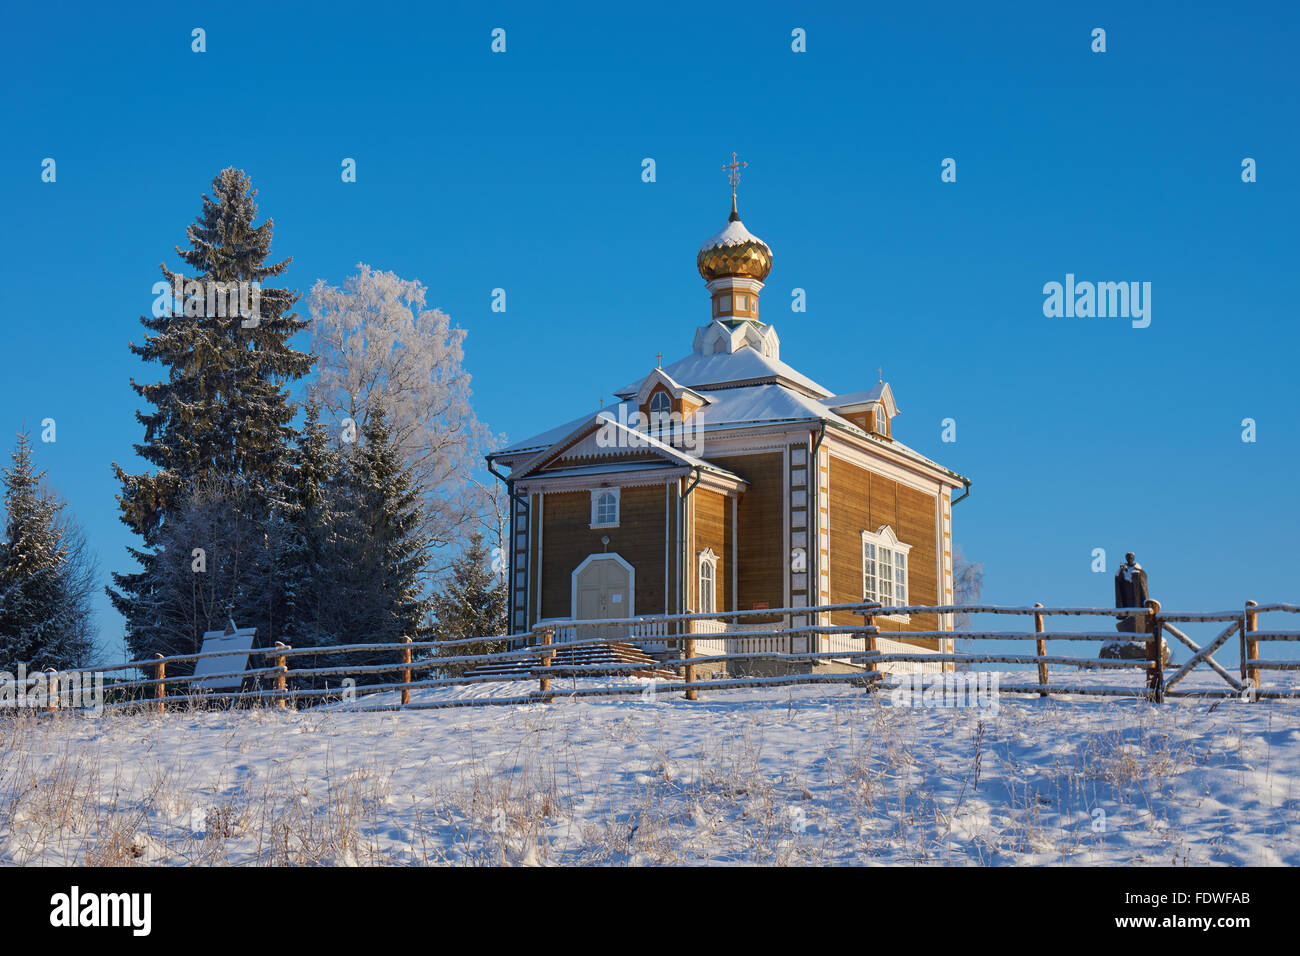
(732, 169)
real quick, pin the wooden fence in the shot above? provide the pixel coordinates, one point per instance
(533, 658)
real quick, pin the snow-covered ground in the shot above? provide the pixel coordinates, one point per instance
(807, 775)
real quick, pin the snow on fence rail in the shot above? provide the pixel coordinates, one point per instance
(532, 657)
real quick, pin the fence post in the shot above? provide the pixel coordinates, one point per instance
(282, 678)
(869, 636)
(1252, 647)
(691, 693)
(159, 690)
(52, 688)
(869, 622)
(406, 671)
(1041, 647)
(544, 636)
(1155, 654)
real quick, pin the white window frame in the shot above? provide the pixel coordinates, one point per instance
(884, 549)
(707, 560)
(659, 421)
(882, 421)
(596, 495)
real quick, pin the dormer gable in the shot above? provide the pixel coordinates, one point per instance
(661, 395)
(873, 410)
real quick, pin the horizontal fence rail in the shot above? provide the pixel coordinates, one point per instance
(780, 648)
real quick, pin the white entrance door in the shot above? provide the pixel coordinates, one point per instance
(602, 589)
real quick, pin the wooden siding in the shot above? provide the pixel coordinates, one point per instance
(712, 530)
(760, 519)
(861, 500)
(567, 539)
(867, 422)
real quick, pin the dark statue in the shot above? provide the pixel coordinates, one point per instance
(1131, 591)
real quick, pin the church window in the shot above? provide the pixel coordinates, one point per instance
(604, 508)
(661, 407)
(884, 569)
(881, 421)
(708, 582)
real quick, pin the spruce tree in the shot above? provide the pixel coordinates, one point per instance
(312, 516)
(472, 602)
(220, 413)
(376, 548)
(44, 614)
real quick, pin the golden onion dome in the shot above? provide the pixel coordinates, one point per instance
(734, 251)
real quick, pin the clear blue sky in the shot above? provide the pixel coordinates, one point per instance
(523, 171)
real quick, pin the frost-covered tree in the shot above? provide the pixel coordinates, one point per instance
(376, 342)
(492, 514)
(221, 412)
(967, 584)
(47, 575)
(472, 602)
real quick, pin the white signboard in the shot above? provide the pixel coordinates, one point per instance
(240, 640)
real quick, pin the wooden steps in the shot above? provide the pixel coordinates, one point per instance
(607, 652)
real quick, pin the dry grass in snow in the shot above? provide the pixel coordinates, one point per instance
(789, 776)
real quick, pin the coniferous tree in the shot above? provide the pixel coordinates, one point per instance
(376, 548)
(45, 576)
(220, 414)
(312, 515)
(216, 563)
(472, 602)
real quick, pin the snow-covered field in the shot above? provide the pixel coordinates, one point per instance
(798, 775)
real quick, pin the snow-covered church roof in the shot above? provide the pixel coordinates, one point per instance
(734, 370)
(740, 401)
(702, 372)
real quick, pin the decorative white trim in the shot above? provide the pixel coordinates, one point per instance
(744, 283)
(675, 389)
(606, 556)
(885, 539)
(735, 553)
(884, 466)
(596, 495)
(614, 479)
(886, 397)
(710, 560)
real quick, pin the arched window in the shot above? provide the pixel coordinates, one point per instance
(708, 582)
(881, 420)
(884, 569)
(604, 508)
(661, 408)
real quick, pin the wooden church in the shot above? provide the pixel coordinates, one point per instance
(728, 480)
